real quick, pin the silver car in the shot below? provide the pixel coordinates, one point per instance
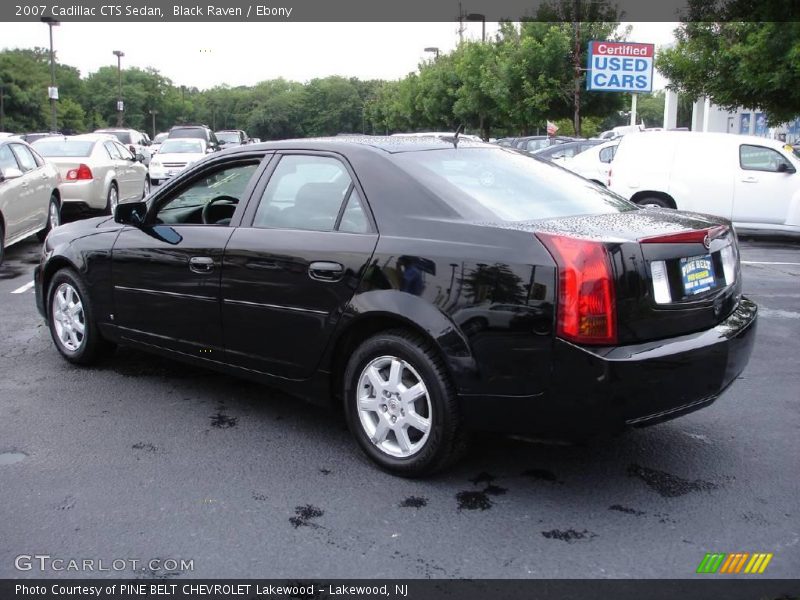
(30, 200)
(97, 171)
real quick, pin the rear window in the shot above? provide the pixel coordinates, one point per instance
(501, 185)
(123, 136)
(63, 147)
(228, 136)
(188, 132)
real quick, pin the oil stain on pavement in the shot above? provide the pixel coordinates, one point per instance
(569, 535)
(668, 485)
(414, 502)
(303, 516)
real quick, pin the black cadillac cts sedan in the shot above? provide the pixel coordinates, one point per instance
(428, 287)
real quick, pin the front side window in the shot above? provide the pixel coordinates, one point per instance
(124, 152)
(607, 154)
(304, 192)
(760, 158)
(210, 200)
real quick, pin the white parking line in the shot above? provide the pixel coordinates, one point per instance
(24, 288)
(756, 262)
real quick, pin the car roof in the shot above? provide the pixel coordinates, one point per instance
(85, 137)
(387, 144)
(185, 139)
(731, 138)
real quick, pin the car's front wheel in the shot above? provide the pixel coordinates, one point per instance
(72, 320)
(401, 405)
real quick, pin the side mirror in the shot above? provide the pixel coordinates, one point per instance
(139, 157)
(10, 173)
(131, 213)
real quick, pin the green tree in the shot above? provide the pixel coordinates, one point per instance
(749, 63)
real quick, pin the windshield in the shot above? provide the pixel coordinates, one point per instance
(188, 132)
(123, 136)
(228, 136)
(47, 147)
(181, 147)
(486, 184)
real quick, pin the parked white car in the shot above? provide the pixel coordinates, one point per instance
(593, 163)
(751, 180)
(174, 155)
(30, 201)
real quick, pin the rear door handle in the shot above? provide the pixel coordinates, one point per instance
(325, 271)
(201, 264)
(750, 179)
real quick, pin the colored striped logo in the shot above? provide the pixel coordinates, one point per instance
(737, 562)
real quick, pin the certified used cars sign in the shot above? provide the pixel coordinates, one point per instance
(620, 67)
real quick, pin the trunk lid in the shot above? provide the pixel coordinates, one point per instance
(674, 272)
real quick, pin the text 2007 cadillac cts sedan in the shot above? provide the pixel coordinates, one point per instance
(428, 286)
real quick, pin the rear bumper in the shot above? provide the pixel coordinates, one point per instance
(603, 390)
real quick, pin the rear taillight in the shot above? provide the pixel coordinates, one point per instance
(586, 297)
(82, 172)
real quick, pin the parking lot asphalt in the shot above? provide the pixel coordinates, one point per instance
(142, 458)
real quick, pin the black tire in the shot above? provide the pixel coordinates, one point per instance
(654, 201)
(447, 438)
(53, 203)
(93, 346)
(2, 243)
(112, 188)
(154, 182)
(146, 188)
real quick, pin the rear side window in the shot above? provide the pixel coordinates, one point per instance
(24, 157)
(607, 154)
(483, 184)
(7, 160)
(304, 192)
(112, 150)
(759, 158)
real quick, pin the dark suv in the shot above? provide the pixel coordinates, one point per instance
(232, 137)
(195, 131)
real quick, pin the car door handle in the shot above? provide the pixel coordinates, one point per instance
(750, 179)
(201, 264)
(325, 271)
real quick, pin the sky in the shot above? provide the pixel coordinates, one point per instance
(207, 54)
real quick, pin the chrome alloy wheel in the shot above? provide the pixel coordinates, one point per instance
(394, 406)
(54, 216)
(68, 317)
(113, 199)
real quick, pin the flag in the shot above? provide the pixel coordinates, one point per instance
(552, 128)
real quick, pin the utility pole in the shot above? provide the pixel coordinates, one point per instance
(53, 91)
(153, 113)
(576, 24)
(460, 23)
(2, 107)
(120, 106)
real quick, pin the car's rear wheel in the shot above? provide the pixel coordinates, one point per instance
(53, 217)
(146, 191)
(401, 405)
(113, 199)
(2, 243)
(72, 320)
